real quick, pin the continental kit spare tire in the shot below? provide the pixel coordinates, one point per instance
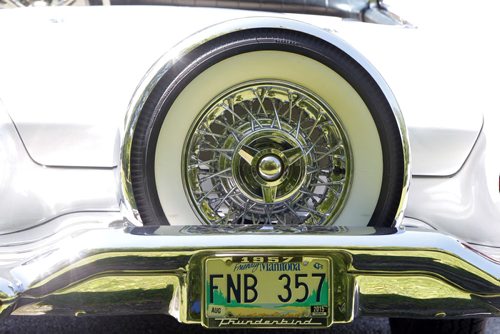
(267, 127)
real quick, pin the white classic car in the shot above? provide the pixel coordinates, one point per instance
(250, 163)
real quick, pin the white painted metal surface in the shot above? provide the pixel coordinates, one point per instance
(68, 95)
(460, 205)
(32, 194)
(80, 80)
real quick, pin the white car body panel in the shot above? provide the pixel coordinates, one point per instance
(460, 205)
(80, 82)
(73, 83)
(33, 195)
(68, 96)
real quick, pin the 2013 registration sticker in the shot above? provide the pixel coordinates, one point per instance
(267, 291)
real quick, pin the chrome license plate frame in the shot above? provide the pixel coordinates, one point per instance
(268, 290)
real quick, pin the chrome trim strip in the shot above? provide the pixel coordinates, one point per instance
(372, 11)
(158, 270)
(152, 77)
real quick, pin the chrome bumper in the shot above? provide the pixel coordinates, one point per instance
(377, 272)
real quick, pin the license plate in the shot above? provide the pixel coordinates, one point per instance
(267, 291)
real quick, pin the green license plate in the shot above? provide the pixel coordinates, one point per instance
(267, 291)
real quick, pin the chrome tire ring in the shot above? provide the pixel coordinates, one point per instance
(374, 174)
(267, 152)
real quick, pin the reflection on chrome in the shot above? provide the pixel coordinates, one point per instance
(37, 3)
(267, 152)
(123, 270)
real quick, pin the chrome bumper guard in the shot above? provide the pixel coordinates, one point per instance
(377, 272)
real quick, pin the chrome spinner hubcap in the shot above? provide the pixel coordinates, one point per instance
(267, 153)
(270, 167)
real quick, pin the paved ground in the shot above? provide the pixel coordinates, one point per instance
(163, 324)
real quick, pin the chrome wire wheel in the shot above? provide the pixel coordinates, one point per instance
(267, 152)
(265, 127)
